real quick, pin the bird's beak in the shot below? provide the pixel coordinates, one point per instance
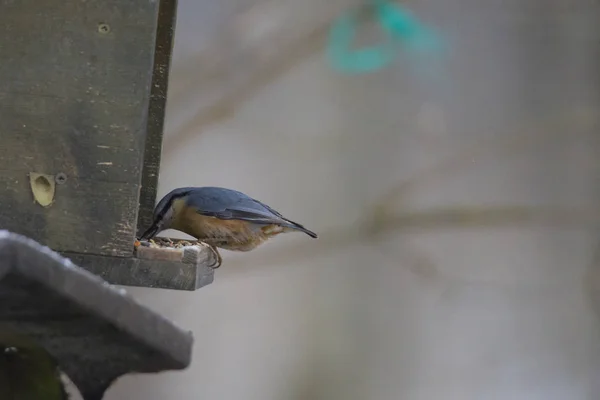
(150, 232)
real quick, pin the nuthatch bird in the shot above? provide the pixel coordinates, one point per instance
(221, 218)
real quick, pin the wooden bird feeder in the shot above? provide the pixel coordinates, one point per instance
(82, 106)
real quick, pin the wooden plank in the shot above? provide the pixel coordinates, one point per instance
(131, 271)
(156, 116)
(88, 215)
(51, 134)
(74, 100)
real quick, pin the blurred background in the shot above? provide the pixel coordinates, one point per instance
(456, 205)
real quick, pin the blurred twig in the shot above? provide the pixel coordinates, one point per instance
(235, 67)
(465, 217)
(532, 134)
(381, 220)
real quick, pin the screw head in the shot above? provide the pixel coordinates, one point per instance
(60, 178)
(103, 28)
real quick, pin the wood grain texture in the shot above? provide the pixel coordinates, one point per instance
(131, 271)
(159, 254)
(156, 117)
(74, 99)
(88, 215)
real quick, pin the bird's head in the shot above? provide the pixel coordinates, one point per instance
(166, 211)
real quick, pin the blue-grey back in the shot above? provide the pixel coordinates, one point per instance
(212, 199)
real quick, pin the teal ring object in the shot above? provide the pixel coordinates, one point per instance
(398, 25)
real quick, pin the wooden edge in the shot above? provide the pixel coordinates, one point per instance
(159, 254)
(156, 111)
(197, 254)
(184, 273)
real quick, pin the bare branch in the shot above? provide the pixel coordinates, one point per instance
(240, 62)
(465, 217)
(507, 144)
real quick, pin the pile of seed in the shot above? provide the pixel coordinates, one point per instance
(163, 242)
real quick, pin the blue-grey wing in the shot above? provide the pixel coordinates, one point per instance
(230, 204)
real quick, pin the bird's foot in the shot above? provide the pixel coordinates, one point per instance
(218, 258)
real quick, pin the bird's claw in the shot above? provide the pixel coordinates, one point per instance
(218, 258)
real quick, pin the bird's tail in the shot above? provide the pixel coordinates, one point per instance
(298, 227)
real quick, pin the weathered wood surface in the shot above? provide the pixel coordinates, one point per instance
(74, 98)
(79, 218)
(156, 117)
(96, 332)
(178, 273)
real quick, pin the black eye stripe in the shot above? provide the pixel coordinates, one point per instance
(165, 203)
